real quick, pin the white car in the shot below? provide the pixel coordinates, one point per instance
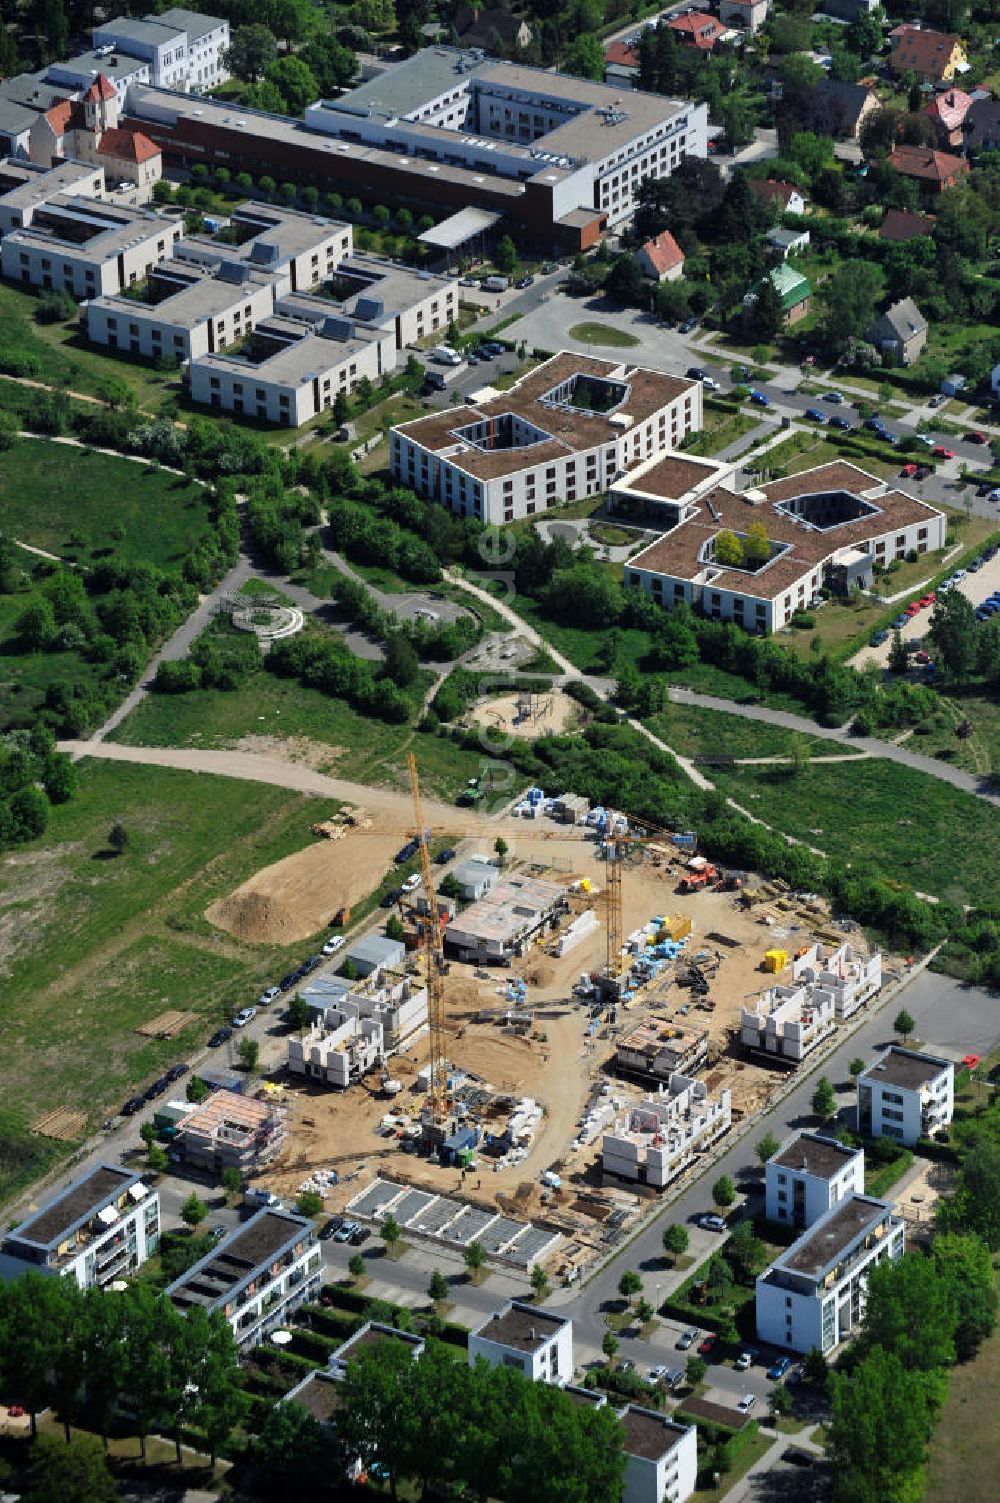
(746, 1403)
(743, 1361)
(333, 945)
(266, 998)
(925, 439)
(245, 1016)
(412, 882)
(710, 383)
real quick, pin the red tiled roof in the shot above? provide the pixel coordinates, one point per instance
(59, 116)
(699, 30)
(622, 54)
(901, 224)
(664, 253)
(772, 189)
(127, 146)
(927, 165)
(950, 108)
(101, 88)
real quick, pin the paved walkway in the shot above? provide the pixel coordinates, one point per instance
(517, 622)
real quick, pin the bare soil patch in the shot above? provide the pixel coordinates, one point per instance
(293, 749)
(552, 712)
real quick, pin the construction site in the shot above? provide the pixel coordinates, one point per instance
(564, 1079)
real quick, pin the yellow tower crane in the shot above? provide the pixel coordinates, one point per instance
(437, 1096)
(617, 847)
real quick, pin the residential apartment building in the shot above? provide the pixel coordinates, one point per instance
(102, 1227)
(299, 250)
(190, 311)
(906, 1094)
(537, 1342)
(808, 1176)
(657, 1048)
(655, 1141)
(395, 299)
(813, 1295)
(851, 976)
(564, 431)
(256, 1276)
(25, 187)
(661, 1457)
(787, 1022)
(86, 247)
(181, 48)
(826, 527)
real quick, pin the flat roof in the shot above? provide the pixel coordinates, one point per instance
(194, 23)
(502, 912)
(114, 65)
(414, 82)
(320, 1394)
(678, 552)
(811, 1153)
(832, 1236)
(199, 296)
(15, 118)
(151, 31)
(458, 228)
(521, 1326)
(375, 1334)
(304, 358)
(672, 476)
(649, 1434)
(654, 1034)
(40, 184)
(77, 1203)
(115, 228)
(215, 1279)
(590, 1398)
(34, 90)
(907, 1068)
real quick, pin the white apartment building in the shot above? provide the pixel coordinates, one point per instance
(256, 1276)
(537, 1342)
(86, 247)
(906, 1095)
(25, 187)
(851, 976)
(564, 431)
(661, 1457)
(814, 1294)
(190, 311)
(339, 1048)
(396, 299)
(103, 1226)
(808, 1176)
(182, 48)
(299, 250)
(788, 1021)
(653, 1142)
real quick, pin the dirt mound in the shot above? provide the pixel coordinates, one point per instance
(255, 917)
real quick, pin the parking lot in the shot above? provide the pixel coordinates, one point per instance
(975, 586)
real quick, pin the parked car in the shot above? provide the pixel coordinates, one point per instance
(745, 1360)
(219, 1037)
(244, 1016)
(907, 472)
(468, 281)
(688, 325)
(443, 857)
(657, 1374)
(331, 1228)
(746, 1403)
(760, 398)
(899, 621)
(877, 638)
(970, 1061)
(258, 1196)
(392, 896)
(875, 423)
(548, 267)
(975, 438)
(833, 396)
(844, 424)
(779, 1369)
(797, 1457)
(176, 1071)
(287, 982)
(923, 471)
(940, 452)
(922, 657)
(412, 882)
(814, 414)
(266, 998)
(710, 383)
(707, 1343)
(712, 1223)
(938, 400)
(696, 373)
(333, 945)
(216, 1233)
(133, 1104)
(687, 1338)
(157, 1088)
(344, 1231)
(925, 439)
(522, 282)
(491, 348)
(926, 600)
(359, 1235)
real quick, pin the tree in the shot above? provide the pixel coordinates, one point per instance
(849, 300)
(695, 1371)
(72, 1472)
(539, 1281)
(629, 1284)
(781, 1400)
(723, 1191)
(390, 1232)
(356, 1266)
(401, 662)
(675, 1239)
(157, 1160)
(911, 1312)
(250, 52)
(36, 625)
(505, 255)
(309, 1203)
(856, 1067)
(767, 1148)
(196, 1090)
(644, 1312)
(609, 1346)
(232, 1180)
(585, 58)
(292, 1442)
(964, 1265)
(437, 1289)
(118, 839)
(745, 1252)
(299, 1013)
(394, 927)
(903, 1024)
(814, 1367)
(824, 1099)
(899, 660)
(877, 1437)
(728, 549)
(60, 779)
(766, 313)
(975, 1206)
(193, 1211)
(248, 1051)
(475, 1257)
(626, 283)
(953, 631)
(756, 546)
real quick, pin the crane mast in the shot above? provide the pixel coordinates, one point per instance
(437, 1098)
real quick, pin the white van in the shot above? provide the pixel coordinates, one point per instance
(445, 355)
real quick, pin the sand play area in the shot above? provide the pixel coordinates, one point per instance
(553, 712)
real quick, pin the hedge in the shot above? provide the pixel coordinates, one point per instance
(883, 1179)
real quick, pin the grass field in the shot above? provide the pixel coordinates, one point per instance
(889, 820)
(92, 946)
(721, 428)
(71, 502)
(598, 333)
(963, 1457)
(695, 732)
(359, 747)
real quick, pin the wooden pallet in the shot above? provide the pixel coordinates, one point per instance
(167, 1025)
(63, 1124)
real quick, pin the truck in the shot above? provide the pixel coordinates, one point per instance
(496, 284)
(694, 881)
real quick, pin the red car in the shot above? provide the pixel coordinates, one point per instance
(970, 1061)
(922, 657)
(975, 438)
(706, 1344)
(908, 471)
(913, 608)
(928, 599)
(940, 452)
(16, 1411)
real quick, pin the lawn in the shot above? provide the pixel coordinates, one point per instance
(900, 824)
(721, 428)
(805, 450)
(694, 732)
(93, 945)
(73, 501)
(359, 747)
(963, 1459)
(61, 355)
(597, 333)
(757, 1447)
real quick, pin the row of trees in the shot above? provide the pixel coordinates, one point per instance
(90, 1354)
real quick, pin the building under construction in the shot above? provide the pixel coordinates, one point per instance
(656, 1049)
(230, 1131)
(502, 924)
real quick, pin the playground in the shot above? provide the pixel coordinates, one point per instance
(527, 714)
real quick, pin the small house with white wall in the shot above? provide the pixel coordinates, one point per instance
(653, 1141)
(788, 1021)
(808, 1176)
(538, 1342)
(661, 1457)
(906, 1094)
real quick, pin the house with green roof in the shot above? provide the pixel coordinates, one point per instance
(791, 286)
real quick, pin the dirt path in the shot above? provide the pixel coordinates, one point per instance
(517, 622)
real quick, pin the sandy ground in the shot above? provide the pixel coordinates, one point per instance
(551, 713)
